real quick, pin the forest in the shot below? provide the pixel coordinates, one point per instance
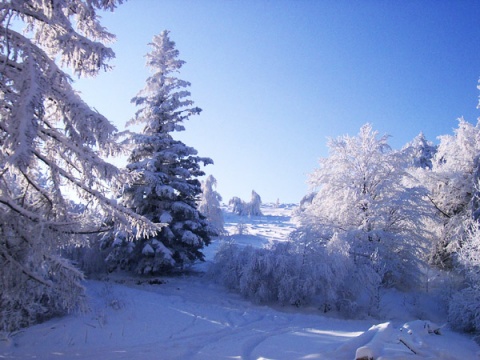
(376, 218)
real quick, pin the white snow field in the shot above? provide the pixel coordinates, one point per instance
(189, 317)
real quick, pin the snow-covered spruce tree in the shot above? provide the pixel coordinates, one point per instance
(167, 188)
(50, 139)
(209, 204)
(360, 193)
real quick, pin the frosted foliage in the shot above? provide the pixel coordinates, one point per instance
(51, 140)
(209, 204)
(454, 168)
(362, 192)
(451, 185)
(251, 208)
(292, 274)
(166, 188)
(36, 293)
(44, 124)
(464, 312)
(36, 282)
(469, 253)
(421, 152)
(455, 151)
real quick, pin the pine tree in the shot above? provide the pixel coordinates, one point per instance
(209, 204)
(167, 187)
(49, 140)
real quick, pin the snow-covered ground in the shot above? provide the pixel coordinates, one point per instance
(189, 317)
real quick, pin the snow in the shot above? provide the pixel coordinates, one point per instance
(190, 317)
(148, 250)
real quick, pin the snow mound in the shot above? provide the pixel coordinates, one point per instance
(418, 339)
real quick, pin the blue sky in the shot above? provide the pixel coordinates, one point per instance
(276, 78)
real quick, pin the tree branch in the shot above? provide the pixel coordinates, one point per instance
(436, 207)
(31, 275)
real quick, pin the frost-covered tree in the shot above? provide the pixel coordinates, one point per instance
(421, 151)
(251, 208)
(361, 193)
(454, 168)
(237, 205)
(451, 185)
(463, 309)
(209, 204)
(50, 140)
(167, 187)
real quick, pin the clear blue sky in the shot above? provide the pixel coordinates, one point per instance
(276, 78)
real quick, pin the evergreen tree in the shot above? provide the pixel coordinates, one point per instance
(209, 204)
(49, 140)
(167, 188)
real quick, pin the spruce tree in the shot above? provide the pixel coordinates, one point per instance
(167, 187)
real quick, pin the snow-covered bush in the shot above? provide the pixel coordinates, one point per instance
(251, 208)
(241, 228)
(290, 273)
(263, 275)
